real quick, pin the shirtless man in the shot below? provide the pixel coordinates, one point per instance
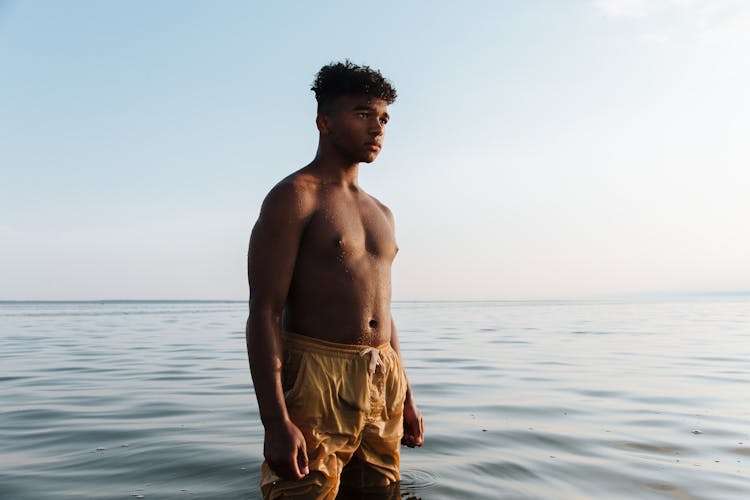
(322, 345)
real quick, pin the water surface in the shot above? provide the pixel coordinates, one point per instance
(608, 399)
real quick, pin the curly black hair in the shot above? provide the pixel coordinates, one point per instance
(346, 78)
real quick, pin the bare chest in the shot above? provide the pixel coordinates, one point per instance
(346, 229)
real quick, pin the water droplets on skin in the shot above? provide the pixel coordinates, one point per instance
(340, 246)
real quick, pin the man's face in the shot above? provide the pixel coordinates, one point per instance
(356, 126)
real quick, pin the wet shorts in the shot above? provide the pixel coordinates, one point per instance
(348, 401)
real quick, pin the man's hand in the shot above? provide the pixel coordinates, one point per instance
(413, 425)
(284, 449)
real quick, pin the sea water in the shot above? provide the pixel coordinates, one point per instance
(539, 399)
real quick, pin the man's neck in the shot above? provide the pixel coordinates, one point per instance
(333, 169)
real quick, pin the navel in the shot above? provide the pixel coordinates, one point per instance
(373, 323)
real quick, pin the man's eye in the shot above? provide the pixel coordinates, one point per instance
(384, 120)
(362, 115)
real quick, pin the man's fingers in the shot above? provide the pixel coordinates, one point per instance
(298, 462)
(410, 438)
(302, 459)
(408, 441)
(293, 466)
(286, 469)
(414, 435)
(286, 452)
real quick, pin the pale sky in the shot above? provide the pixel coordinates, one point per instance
(546, 149)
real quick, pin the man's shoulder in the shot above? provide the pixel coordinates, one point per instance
(382, 206)
(298, 186)
(295, 193)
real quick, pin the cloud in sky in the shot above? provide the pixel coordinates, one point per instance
(732, 26)
(648, 8)
(622, 8)
(723, 23)
(711, 12)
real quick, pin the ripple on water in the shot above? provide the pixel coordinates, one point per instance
(743, 451)
(671, 490)
(504, 469)
(416, 479)
(508, 341)
(655, 448)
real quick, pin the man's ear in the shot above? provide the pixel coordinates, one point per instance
(324, 124)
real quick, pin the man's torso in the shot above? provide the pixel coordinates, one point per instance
(341, 286)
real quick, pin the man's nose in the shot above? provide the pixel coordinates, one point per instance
(377, 127)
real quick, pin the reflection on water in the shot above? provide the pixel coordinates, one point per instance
(520, 399)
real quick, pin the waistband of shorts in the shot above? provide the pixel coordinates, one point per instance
(310, 344)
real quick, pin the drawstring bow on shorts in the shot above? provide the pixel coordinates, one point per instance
(375, 360)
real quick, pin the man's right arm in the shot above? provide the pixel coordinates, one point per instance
(272, 254)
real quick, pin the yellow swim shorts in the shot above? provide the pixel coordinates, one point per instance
(348, 401)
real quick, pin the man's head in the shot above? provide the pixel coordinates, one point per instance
(341, 79)
(352, 110)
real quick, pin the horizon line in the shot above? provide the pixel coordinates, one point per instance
(624, 296)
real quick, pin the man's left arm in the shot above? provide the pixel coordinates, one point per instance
(413, 423)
